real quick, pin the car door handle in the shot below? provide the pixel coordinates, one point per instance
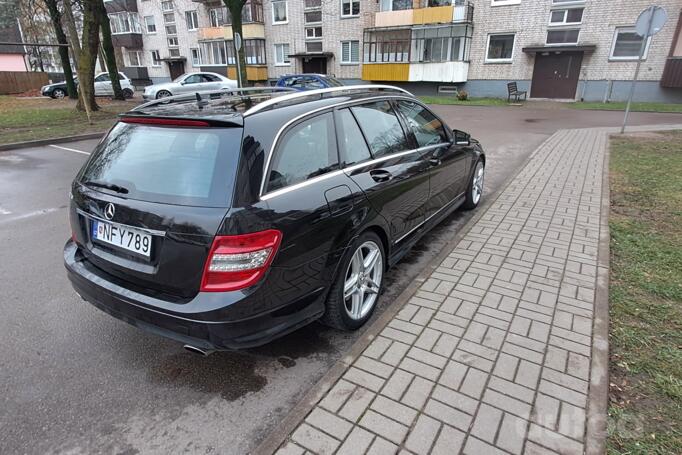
(435, 162)
(380, 175)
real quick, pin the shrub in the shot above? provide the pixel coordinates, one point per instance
(462, 95)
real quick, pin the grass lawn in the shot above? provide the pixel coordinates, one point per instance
(27, 119)
(646, 294)
(634, 107)
(469, 102)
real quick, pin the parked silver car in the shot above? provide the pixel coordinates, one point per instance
(189, 83)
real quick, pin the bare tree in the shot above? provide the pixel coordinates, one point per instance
(56, 17)
(235, 8)
(72, 31)
(109, 53)
(88, 56)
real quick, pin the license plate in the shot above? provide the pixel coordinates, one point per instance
(125, 237)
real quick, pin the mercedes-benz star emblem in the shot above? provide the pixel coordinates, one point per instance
(109, 211)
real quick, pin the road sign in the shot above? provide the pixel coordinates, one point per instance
(237, 41)
(651, 21)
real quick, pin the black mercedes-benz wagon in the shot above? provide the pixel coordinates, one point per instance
(224, 220)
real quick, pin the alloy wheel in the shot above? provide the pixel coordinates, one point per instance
(477, 184)
(363, 280)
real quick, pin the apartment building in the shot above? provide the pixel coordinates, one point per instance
(561, 49)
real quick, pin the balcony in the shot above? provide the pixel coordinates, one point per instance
(457, 13)
(252, 30)
(672, 73)
(116, 6)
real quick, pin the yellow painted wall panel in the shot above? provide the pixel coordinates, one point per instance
(386, 71)
(434, 15)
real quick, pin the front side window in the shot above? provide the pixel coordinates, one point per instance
(104, 77)
(381, 127)
(279, 12)
(500, 48)
(627, 45)
(307, 150)
(192, 20)
(350, 51)
(350, 7)
(150, 24)
(282, 54)
(427, 129)
(353, 146)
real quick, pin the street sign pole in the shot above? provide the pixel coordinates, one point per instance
(649, 23)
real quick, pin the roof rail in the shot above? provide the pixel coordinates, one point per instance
(346, 88)
(190, 96)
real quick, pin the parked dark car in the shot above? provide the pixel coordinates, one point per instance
(225, 221)
(303, 82)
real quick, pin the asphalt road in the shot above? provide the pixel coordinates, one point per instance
(74, 380)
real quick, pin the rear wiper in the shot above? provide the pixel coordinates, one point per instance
(108, 186)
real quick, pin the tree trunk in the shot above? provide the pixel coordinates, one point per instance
(88, 56)
(56, 18)
(235, 7)
(109, 53)
(72, 32)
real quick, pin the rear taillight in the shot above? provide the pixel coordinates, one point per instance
(239, 261)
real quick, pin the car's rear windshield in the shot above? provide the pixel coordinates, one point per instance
(174, 165)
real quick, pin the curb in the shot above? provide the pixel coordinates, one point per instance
(57, 140)
(298, 413)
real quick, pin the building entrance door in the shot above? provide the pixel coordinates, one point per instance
(556, 75)
(316, 65)
(177, 69)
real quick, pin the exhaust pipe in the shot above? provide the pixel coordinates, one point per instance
(199, 351)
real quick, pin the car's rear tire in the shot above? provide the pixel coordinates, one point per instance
(355, 292)
(127, 93)
(58, 93)
(474, 191)
(163, 94)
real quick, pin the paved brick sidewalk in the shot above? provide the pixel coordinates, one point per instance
(493, 353)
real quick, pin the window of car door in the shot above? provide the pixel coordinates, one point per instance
(102, 78)
(306, 150)
(426, 127)
(313, 83)
(382, 129)
(193, 79)
(353, 148)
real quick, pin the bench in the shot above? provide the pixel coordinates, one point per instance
(513, 91)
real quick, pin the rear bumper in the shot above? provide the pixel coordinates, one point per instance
(188, 323)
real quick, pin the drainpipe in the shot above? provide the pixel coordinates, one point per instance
(607, 92)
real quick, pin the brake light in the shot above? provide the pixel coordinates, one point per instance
(164, 121)
(239, 261)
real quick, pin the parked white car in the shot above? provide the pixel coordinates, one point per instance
(102, 87)
(189, 83)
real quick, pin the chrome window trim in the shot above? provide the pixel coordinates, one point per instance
(265, 196)
(148, 231)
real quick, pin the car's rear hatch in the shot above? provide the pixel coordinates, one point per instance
(148, 203)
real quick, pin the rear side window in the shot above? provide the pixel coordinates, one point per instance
(185, 166)
(427, 129)
(353, 146)
(305, 151)
(382, 128)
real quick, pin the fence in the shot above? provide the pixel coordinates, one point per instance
(19, 82)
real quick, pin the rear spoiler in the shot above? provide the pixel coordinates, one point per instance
(194, 122)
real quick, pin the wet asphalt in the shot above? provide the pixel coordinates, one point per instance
(74, 380)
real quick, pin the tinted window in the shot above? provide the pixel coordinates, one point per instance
(354, 148)
(193, 79)
(188, 166)
(307, 150)
(382, 129)
(426, 127)
(313, 83)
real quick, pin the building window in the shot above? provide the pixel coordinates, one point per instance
(350, 52)
(174, 52)
(439, 44)
(171, 30)
(173, 42)
(167, 6)
(627, 44)
(566, 2)
(282, 55)
(218, 16)
(309, 4)
(280, 12)
(134, 58)
(169, 18)
(500, 48)
(213, 53)
(313, 32)
(156, 58)
(124, 23)
(312, 17)
(192, 20)
(566, 16)
(150, 24)
(350, 8)
(395, 5)
(196, 56)
(504, 2)
(254, 51)
(569, 36)
(313, 46)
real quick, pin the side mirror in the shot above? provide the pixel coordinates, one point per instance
(461, 138)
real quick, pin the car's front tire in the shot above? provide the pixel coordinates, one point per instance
(127, 93)
(163, 94)
(475, 188)
(359, 282)
(58, 93)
